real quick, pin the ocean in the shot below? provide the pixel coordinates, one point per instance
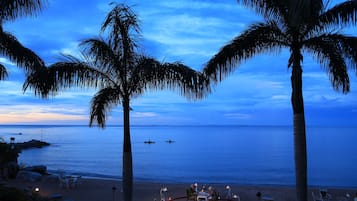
(246, 155)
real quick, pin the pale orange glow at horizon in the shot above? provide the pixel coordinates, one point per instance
(38, 117)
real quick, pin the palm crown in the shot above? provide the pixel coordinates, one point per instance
(113, 66)
(301, 26)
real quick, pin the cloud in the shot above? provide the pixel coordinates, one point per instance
(144, 114)
(37, 114)
(238, 115)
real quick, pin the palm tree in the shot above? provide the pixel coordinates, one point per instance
(9, 45)
(302, 26)
(121, 74)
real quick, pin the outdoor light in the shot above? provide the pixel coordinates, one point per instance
(37, 189)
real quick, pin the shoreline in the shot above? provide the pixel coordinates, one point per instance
(171, 181)
(94, 189)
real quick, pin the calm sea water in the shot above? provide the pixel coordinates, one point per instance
(206, 154)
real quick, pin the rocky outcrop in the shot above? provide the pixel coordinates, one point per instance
(31, 144)
(37, 168)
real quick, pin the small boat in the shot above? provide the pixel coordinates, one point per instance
(170, 141)
(149, 142)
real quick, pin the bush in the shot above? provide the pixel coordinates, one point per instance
(12, 194)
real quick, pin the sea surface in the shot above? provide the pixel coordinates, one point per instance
(207, 154)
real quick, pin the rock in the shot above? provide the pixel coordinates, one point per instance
(31, 144)
(28, 176)
(38, 168)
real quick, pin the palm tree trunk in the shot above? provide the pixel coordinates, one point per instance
(127, 155)
(299, 133)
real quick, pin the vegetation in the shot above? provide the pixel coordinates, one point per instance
(8, 155)
(12, 194)
(302, 26)
(10, 47)
(114, 67)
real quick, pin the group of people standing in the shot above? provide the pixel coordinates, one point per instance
(210, 193)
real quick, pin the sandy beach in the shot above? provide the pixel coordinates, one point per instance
(91, 189)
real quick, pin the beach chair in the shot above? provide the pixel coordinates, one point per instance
(63, 182)
(202, 198)
(75, 181)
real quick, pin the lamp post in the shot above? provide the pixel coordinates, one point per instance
(114, 189)
(12, 143)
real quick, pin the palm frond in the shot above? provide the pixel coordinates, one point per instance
(102, 55)
(66, 74)
(330, 54)
(12, 9)
(139, 75)
(259, 38)
(121, 23)
(175, 76)
(80, 74)
(3, 72)
(348, 46)
(101, 105)
(270, 9)
(17, 53)
(340, 15)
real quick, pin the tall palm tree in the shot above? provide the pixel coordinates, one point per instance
(121, 74)
(302, 26)
(10, 47)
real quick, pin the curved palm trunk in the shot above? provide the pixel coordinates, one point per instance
(127, 155)
(299, 133)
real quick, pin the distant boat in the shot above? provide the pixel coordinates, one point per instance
(149, 142)
(170, 141)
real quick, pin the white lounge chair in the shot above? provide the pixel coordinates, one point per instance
(202, 198)
(63, 182)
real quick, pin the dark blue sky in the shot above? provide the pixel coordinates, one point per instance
(189, 31)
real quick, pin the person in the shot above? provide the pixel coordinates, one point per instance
(228, 195)
(213, 195)
(324, 195)
(191, 192)
(355, 199)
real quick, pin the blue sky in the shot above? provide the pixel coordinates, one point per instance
(189, 31)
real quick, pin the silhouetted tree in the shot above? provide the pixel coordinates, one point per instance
(10, 47)
(113, 66)
(301, 26)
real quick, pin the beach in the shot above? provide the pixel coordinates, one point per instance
(96, 189)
